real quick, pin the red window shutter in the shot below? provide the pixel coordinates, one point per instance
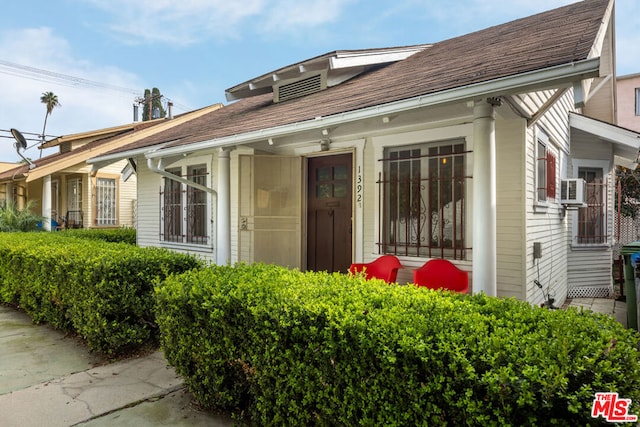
(551, 175)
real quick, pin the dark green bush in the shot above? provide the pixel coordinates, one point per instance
(113, 235)
(288, 348)
(103, 291)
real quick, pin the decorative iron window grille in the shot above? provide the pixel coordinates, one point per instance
(196, 206)
(106, 202)
(593, 219)
(184, 208)
(422, 193)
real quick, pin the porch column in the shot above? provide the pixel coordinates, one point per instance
(46, 203)
(484, 198)
(223, 229)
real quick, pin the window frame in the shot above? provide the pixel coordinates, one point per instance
(116, 199)
(637, 103)
(75, 199)
(463, 131)
(604, 166)
(545, 170)
(186, 192)
(446, 156)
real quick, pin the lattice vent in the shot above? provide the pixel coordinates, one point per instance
(590, 292)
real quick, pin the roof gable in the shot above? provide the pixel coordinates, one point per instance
(334, 68)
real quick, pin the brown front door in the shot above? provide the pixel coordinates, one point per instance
(329, 213)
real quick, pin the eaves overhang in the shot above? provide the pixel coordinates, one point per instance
(563, 75)
(626, 143)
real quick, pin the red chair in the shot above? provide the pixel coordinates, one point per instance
(442, 274)
(386, 268)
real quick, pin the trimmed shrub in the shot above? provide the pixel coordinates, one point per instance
(103, 291)
(282, 347)
(113, 235)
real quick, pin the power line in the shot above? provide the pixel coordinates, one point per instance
(36, 136)
(38, 74)
(26, 71)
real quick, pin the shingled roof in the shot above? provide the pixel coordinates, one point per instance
(561, 36)
(113, 133)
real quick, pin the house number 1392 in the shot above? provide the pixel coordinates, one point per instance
(359, 187)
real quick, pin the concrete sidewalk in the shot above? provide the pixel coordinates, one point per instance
(47, 379)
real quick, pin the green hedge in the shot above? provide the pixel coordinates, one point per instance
(102, 291)
(282, 347)
(113, 235)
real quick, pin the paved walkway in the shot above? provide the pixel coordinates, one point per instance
(610, 306)
(47, 379)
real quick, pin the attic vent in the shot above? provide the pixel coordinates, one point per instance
(65, 147)
(299, 88)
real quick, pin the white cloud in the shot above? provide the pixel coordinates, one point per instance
(82, 106)
(190, 21)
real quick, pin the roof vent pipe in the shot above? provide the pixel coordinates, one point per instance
(170, 108)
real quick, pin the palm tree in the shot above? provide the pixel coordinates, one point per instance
(51, 101)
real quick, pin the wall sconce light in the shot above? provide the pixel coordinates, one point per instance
(325, 132)
(270, 141)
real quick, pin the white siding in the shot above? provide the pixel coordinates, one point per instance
(149, 185)
(510, 201)
(547, 224)
(590, 267)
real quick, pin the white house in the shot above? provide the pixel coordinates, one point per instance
(469, 149)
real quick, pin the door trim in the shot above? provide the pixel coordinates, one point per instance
(356, 244)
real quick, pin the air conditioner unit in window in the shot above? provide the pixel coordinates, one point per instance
(572, 192)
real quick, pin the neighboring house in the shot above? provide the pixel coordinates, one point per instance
(628, 109)
(628, 91)
(6, 166)
(460, 149)
(76, 195)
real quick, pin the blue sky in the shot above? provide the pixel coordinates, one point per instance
(192, 50)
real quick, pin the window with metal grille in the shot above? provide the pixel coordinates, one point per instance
(196, 206)
(422, 200)
(184, 208)
(171, 197)
(106, 202)
(592, 219)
